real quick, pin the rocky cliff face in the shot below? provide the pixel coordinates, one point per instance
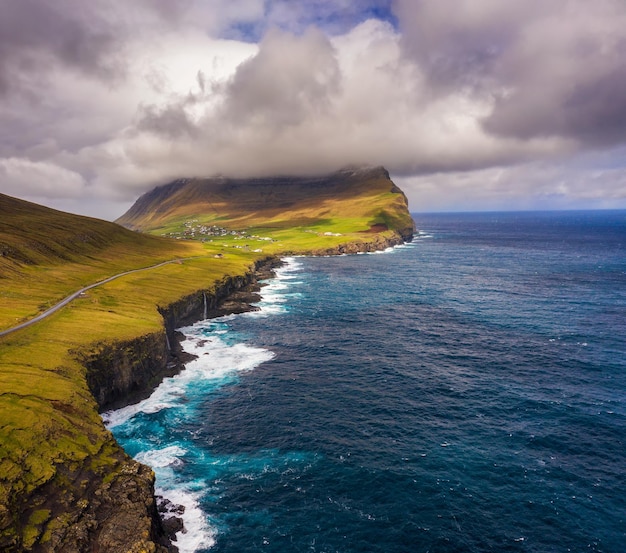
(105, 503)
(123, 372)
(115, 512)
(378, 243)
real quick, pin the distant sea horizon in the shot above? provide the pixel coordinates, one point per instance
(465, 392)
(518, 211)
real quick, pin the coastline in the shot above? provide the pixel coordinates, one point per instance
(181, 516)
(235, 295)
(234, 302)
(98, 498)
(106, 501)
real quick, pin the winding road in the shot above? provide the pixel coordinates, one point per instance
(73, 296)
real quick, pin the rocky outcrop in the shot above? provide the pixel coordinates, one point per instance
(378, 243)
(116, 514)
(122, 373)
(103, 503)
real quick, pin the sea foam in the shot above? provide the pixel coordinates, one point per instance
(198, 533)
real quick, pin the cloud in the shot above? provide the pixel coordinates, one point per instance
(594, 181)
(553, 68)
(307, 103)
(291, 79)
(34, 34)
(38, 179)
(129, 97)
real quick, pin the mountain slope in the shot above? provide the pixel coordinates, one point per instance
(32, 234)
(366, 197)
(47, 254)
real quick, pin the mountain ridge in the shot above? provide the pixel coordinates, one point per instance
(32, 234)
(281, 199)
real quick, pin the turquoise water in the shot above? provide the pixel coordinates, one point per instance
(463, 393)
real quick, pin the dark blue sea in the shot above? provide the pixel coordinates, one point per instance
(462, 393)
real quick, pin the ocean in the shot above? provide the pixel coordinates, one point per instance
(465, 392)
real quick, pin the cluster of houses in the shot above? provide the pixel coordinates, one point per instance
(206, 233)
(193, 231)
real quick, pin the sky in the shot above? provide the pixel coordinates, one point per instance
(470, 104)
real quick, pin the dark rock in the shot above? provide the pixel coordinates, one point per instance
(173, 525)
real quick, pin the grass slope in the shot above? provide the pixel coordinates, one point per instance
(49, 425)
(348, 202)
(46, 254)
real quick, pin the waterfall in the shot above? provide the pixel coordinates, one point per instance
(206, 310)
(167, 342)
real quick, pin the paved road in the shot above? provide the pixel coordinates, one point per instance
(73, 296)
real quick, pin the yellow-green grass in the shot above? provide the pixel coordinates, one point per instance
(302, 229)
(45, 255)
(48, 417)
(40, 287)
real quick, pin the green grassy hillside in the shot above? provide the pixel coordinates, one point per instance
(346, 202)
(46, 254)
(54, 449)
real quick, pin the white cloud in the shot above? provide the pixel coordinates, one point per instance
(306, 104)
(22, 177)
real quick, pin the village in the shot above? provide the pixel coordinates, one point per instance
(206, 233)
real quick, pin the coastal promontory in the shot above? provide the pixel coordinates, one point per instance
(65, 483)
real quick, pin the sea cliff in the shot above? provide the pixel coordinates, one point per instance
(65, 483)
(122, 373)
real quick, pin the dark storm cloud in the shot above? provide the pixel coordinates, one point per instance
(35, 34)
(109, 99)
(586, 102)
(555, 68)
(171, 122)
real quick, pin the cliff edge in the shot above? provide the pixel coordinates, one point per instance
(65, 484)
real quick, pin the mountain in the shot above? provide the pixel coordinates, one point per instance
(34, 235)
(61, 473)
(366, 196)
